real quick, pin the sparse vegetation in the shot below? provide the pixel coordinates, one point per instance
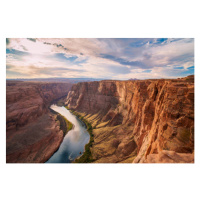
(69, 125)
(61, 102)
(65, 125)
(67, 107)
(87, 155)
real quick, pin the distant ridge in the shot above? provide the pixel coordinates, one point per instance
(133, 79)
(66, 80)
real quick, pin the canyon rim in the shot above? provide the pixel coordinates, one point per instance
(126, 100)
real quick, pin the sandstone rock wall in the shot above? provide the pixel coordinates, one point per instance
(26, 101)
(32, 133)
(158, 114)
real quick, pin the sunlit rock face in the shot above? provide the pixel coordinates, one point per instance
(32, 134)
(135, 119)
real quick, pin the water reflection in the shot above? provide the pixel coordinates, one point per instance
(74, 141)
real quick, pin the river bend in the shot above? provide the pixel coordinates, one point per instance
(74, 141)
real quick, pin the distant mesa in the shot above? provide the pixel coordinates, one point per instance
(133, 79)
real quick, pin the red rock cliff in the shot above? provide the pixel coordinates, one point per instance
(156, 117)
(25, 101)
(32, 134)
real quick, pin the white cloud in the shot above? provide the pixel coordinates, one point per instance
(87, 53)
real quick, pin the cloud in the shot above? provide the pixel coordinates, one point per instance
(124, 61)
(8, 67)
(117, 69)
(73, 46)
(13, 74)
(32, 39)
(34, 72)
(121, 58)
(7, 41)
(53, 71)
(27, 45)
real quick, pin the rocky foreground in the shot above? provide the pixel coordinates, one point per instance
(32, 133)
(141, 121)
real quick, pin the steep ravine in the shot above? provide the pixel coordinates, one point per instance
(138, 121)
(32, 132)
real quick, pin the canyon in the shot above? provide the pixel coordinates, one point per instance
(134, 121)
(139, 121)
(32, 132)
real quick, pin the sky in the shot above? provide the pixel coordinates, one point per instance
(116, 58)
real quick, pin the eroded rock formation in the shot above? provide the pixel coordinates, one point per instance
(138, 121)
(32, 134)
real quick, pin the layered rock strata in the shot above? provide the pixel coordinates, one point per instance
(32, 133)
(138, 121)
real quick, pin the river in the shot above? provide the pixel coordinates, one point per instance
(74, 141)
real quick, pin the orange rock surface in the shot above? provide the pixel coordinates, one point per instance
(135, 121)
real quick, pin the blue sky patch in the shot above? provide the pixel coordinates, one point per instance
(147, 71)
(16, 52)
(187, 72)
(178, 67)
(62, 57)
(192, 67)
(161, 40)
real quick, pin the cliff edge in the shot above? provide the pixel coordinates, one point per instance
(32, 132)
(140, 121)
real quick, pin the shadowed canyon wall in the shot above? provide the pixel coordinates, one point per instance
(32, 133)
(138, 121)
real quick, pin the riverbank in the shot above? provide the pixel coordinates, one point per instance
(87, 155)
(65, 125)
(75, 140)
